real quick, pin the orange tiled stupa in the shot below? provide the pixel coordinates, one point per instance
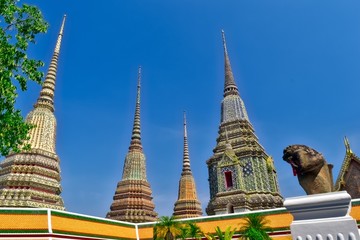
(32, 178)
(132, 199)
(187, 205)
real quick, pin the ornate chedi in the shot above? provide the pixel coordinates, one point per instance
(132, 199)
(187, 204)
(349, 176)
(32, 178)
(242, 176)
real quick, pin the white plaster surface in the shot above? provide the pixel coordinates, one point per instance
(322, 217)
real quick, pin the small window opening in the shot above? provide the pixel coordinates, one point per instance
(228, 179)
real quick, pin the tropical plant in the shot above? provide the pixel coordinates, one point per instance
(18, 27)
(194, 231)
(219, 234)
(255, 228)
(184, 232)
(167, 228)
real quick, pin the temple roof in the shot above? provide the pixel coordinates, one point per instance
(349, 159)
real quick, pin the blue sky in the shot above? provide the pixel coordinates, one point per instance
(296, 63)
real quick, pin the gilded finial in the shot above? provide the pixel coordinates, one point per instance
(347, 145)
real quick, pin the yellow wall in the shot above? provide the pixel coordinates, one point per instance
(35, 221)
(90, 227)
(26, 222)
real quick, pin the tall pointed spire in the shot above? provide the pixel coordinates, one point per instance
(233, 107)
(230, 85)
(136, 131)
(32, 178)
(132, 201)
(46, 98)
(186, 160)
(187, 204)
(239, 176)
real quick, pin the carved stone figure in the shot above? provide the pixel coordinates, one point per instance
(314, 174)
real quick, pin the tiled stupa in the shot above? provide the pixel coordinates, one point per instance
(349, 176)
(132, 201)
(242, 175)
(32, 178)
(187, 205)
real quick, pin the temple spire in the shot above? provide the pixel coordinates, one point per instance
(239, 176)
(187, 204)
(46, 98)
(132, 201)
(186, 160)
(136, 131)
(230, 85)
(233, 107)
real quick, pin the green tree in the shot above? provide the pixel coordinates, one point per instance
(18, 27)
(255, 228)
(167, 228)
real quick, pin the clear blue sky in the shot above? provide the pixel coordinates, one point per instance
(296, 63)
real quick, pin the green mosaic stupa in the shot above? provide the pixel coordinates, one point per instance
(242, 176)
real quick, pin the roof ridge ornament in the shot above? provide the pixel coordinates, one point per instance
(347, 145)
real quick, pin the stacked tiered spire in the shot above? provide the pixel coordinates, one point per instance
(132, 199)
(187, 204)
(241, 174)
(32, 178)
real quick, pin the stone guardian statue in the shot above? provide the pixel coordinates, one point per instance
(313, 172)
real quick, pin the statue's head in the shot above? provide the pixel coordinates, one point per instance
(303, 159)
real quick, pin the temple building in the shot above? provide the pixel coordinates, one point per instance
(242, 175)
(349, 175)
(32, 178)
(132, 201)
(187, 205)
